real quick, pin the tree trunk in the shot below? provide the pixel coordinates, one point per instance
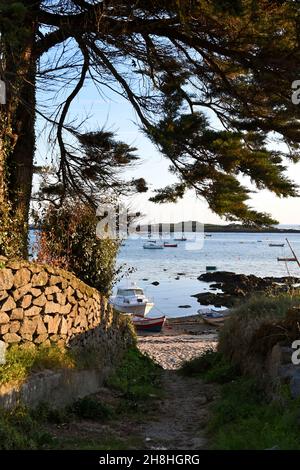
(18, 137)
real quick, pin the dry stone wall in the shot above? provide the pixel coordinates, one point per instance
(41, 304)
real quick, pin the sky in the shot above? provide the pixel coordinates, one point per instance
(116, 114)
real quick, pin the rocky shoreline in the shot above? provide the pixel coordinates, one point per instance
(233, 287)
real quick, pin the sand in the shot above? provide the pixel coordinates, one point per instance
(180, 340)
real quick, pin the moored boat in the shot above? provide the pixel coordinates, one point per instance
(152, 245)
(170, 245)
(131, 300)
(149, 324)
(276, 244)
(214, 317)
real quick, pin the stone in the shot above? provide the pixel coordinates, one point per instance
(71, 299)
(52, 307)
(55, 280)
(79, 295)
(36, 292)
(54, 338)
(53, 324)
(14, 326)
(61, 298)
(28, 327)
(41, 327)
(65, 309)
(26, 301)
(8, 305)
(39, 279)
(51, 290)
(27, 337)
(4, 329)
(3, 348)
(18, 293)
(35, 268)
(12, 338)
(17, 314)
(3, 295)
(22, 277)
(50, 297)
(70, 290)
(40, 301)
(6, 279)
(33, 311)
(74, 311)
(63, 327)
(41, 338)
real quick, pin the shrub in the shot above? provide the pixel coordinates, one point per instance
(211, 366)
(243, 419)
(91, 408)
(137, 377)
(68, 240)
(238, 339)
(20, 361)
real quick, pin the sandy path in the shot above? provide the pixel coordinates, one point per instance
(171, 351)
(182, 416)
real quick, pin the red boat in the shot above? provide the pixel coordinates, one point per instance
(149, 324)
(170, 245)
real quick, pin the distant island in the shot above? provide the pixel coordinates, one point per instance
(193, 226)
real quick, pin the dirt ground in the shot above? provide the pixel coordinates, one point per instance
(178, 417)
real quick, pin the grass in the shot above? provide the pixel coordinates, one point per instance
(210, 366)
(262, 306)
(20, 361)
(248, 336)
(20, 431)
(91, 408)
(137, 377)
(243, 419)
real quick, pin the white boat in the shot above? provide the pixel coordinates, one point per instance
(131, 300)
(153, 245)
(214, 317)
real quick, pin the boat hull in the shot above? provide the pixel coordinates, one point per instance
(153, 325)
(140, 310)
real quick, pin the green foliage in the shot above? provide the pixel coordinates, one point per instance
(238, 333)
(91, 408)
(12, 25)
(21, 361)
(137, 377)
(243, 419)
(210, 366)
(19, 430)
(11, 234)
(68, 240)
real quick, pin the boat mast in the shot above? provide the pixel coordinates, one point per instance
(294, 254)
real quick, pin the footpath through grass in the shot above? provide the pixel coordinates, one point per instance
(135, 382)
(243, 418)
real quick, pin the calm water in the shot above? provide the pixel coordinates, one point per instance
(245, 253)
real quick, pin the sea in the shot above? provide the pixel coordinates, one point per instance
(176, 270)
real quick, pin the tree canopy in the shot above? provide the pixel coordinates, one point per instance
(183, 65)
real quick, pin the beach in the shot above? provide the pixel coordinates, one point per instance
(181, 339)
